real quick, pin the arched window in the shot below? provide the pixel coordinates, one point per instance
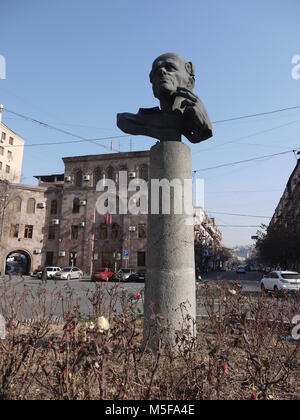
(76, 205)
(144, 174)
(98, 175)
(111, 173)
(31, 206)
(103, 232)
(16, 205)
(53, 209)
(78, 178)
(115, 231)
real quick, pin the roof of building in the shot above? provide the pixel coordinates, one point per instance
(50, 178)
(108, 156)
(12, 131)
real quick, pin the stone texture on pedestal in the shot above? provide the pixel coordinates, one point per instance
(170, 281)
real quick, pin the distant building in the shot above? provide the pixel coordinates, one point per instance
(11, 155)
(208, 241)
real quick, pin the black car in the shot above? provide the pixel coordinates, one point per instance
(138, 277)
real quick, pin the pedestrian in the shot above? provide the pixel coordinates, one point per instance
(44, 276)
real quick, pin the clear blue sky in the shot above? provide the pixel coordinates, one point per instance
(75, 64)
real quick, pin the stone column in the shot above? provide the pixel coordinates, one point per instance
(170, 281)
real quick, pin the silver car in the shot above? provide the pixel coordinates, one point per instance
(124, 274)
(69, 273)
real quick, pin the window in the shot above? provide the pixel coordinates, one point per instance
(78, 178)
(108, 259)
(142, 231)
(98, 175)
(14, 231)
(76, 205)
(31, 206)
(51, 233)
(114, 231)
(28, 232)
(49, 258)
(3, 137)
(17, 204)
(103, 232)
(72, 259)
(141, 257)
(0, 166)
(111, 173)
(53, 209)
(9, 155)
(7, 169)
(144, 172)
(1, 151)
(74, 233)
(11, 141)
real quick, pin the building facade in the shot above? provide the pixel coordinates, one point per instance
(11, 155)
(22, 209)
(57, 223)
(288, 209)
(208, 242)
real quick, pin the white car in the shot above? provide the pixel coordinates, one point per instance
(51, 272)
(69, 273)
(281, 280)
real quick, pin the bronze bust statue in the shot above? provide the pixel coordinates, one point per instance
(181, 112)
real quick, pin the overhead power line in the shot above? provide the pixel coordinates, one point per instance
(243, 117)
(67, 142)
(223, 165)
(240, 215)
(68, 133)
(240, 226)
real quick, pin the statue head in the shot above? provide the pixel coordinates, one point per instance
(170, 71)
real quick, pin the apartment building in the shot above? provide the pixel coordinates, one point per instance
(208, 241)
(22, 220)
(288, 209)
(57, 222)
(11, 154)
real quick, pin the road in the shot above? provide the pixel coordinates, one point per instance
(250, 280)
(79, 292)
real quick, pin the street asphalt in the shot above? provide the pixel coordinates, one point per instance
(79, 292)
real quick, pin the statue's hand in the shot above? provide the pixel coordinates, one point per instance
(197, 124)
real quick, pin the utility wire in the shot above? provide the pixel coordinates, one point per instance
(52, 127)
(240, 215)
(245, 161)
(66, 142)
(257, 115)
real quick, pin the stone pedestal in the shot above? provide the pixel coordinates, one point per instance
(170, 297)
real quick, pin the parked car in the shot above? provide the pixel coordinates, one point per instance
(124, 274)
(138, 277)
(51, 271)
(241, 270)
(69, 273)
(104, 274)
(281, 281)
